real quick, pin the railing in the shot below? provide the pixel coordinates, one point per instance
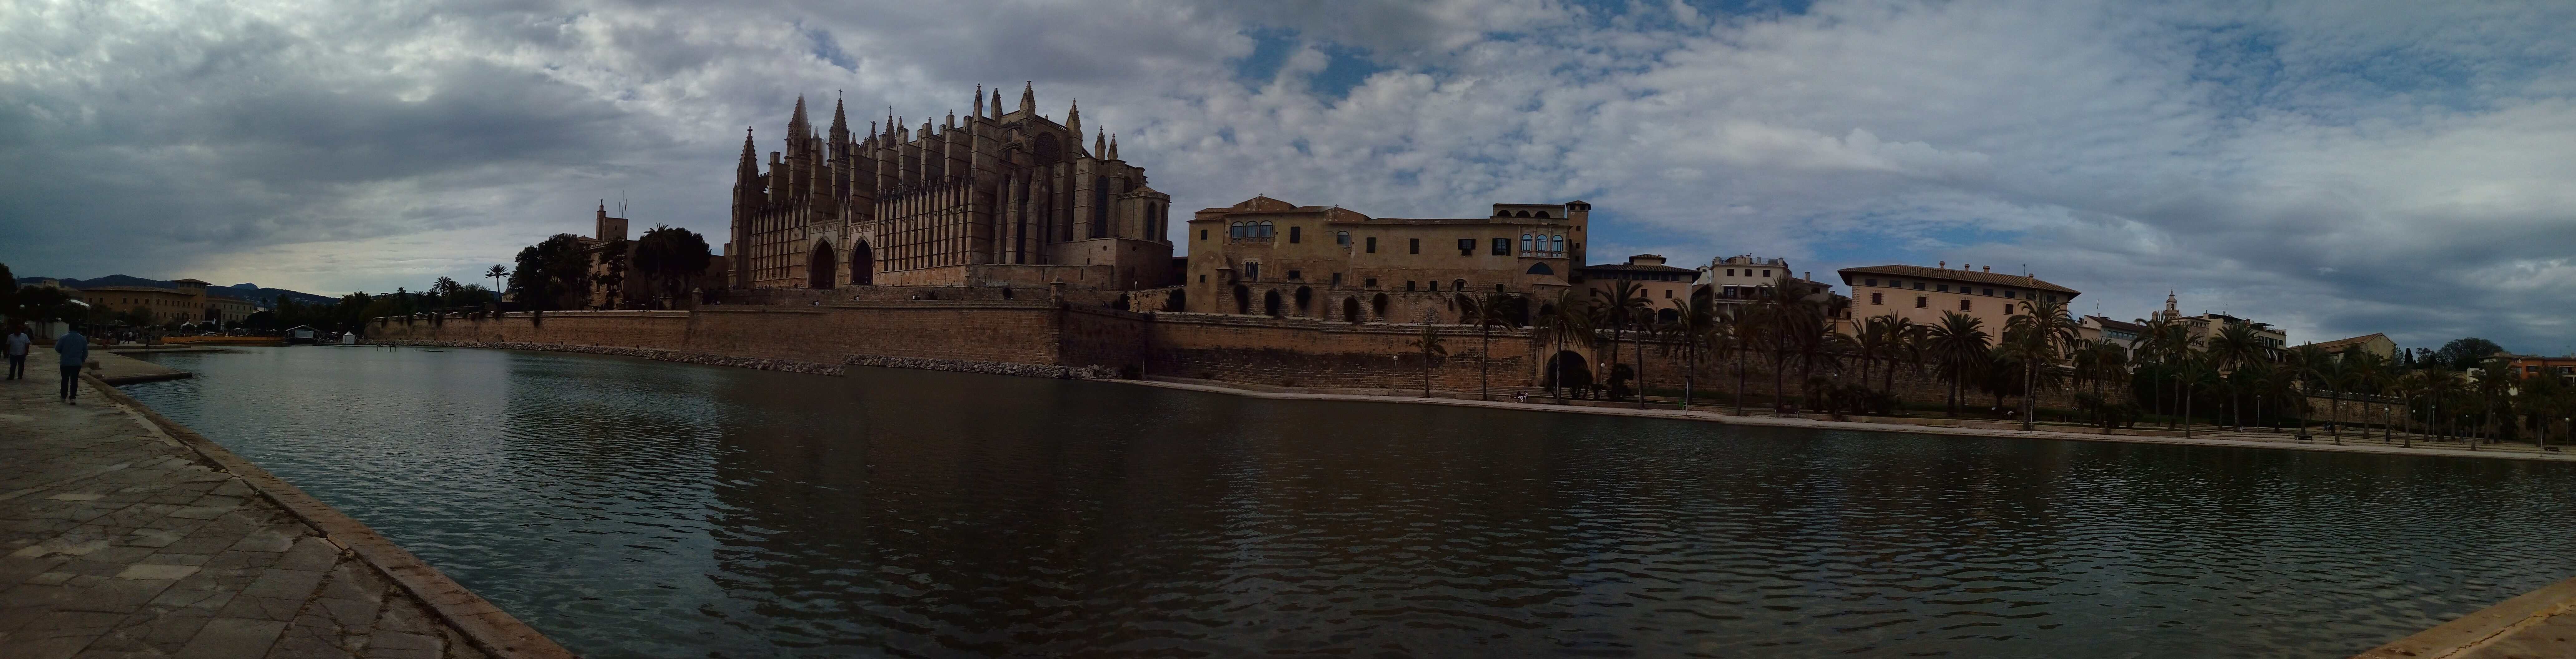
(1541, 253)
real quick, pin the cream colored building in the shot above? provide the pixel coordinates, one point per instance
(2206, 326)
(1270, 257)
(184, 304)
(1923, 294)
(1664, 286)
(1737, 278)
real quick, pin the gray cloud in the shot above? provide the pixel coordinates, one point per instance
(2335, 167)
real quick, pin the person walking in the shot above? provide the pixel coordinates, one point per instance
(75, 351)
(17, 345)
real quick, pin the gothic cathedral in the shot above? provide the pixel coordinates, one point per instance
(1000, 200)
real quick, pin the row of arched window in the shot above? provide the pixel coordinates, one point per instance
(1250, 230)
(1542, 245)
(1502, 213)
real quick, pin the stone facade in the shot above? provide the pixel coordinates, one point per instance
(997, 197)
(1273, 258)
(1923, 294)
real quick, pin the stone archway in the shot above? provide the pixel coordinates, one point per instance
(819, 266)
(1351, 310)
(1270, 304)
(863, 265)
(1570, 369)
(1242, 301)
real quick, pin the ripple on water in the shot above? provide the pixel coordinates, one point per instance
(636, 508)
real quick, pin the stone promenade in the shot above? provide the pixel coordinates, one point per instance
(119, 540)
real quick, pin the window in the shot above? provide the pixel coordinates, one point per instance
(1466, 247)
(1559, 249)
(1292, 274)
(2009, 294)
(1337, 279)
(1202, 234)
(1408, 285)
(1459, 285)
(1417, 249)
(1266, 231)
(1918, 285)
(1372, 244)
(1766, 273)
(1869, 282)
(1435, 285)
(1668, 293)
(2052, 298)
(1990, 292)
(1921, 302)
(1502, 247)
(1528, 244)
(1341, 237)
(1203, 278)
(1369, 282)
(1963, 305)
(1252, 271)
(1541, 269)
(1234, 231)
(1296, 234)
(1874, 299)
(1945, 288)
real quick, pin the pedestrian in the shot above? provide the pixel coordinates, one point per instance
(1520, 397)
(75, 351)
(18, 343)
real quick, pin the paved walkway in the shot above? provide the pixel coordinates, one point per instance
(117, 540)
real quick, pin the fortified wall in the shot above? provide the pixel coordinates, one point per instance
(1085, 339)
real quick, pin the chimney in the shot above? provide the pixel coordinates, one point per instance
(1945, 265)
(1990, 268)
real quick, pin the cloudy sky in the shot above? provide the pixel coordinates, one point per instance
(2335, 167)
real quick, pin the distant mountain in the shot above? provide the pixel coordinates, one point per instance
(265, 297)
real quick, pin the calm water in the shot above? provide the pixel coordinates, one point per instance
(639, 508)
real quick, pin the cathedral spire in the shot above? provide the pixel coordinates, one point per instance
(840, 124)
(1073, 121)
(1099, 144)
(797, 127)
(979, 101)
(997, 102)
(1029, 99)
(1113, 148)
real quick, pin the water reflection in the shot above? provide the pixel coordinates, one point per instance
(636, 508)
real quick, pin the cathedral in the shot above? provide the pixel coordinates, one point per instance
(997, 200)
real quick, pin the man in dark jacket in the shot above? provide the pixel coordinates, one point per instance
(75, 351)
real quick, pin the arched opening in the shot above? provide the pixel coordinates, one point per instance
(1542, 215)
(1667, 315)
(1177, 302)
(1266, 229)
(1541, 269)
(1567, 369)
(1120, 303)
(1377, 307)
(1304, 295)
(1242, 300)
(863, 265)
(819, 266)
(1006, 292)
(1502, 213)
(1521, 214)
(1270, 303)
(1350, 310)
(1458, 285)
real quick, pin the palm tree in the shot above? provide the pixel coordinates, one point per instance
(2192, 369)
(1495, 310)
(1616, 306)
(1694, 327)
(1569, 315)
(2100, 361)
(2236, 345)
(2364, 373)
(1429, 343)
(2044, 333)
(2307, 365)
(496, 274)
(1957, 345)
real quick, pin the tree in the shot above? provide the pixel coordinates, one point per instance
(551, 272)
(2040, 336)
(1570, 315)
(612, 271)
(2467, 353)
(1429, 344)
(1496, 309)
(1957, 346)
(1617, 306)
(495, 274)
(2236, 345)
(1694, 327)
(669, 257)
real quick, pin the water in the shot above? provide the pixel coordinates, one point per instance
(631, 508)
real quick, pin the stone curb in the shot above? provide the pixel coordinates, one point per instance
(485, 626)
(915, 363)
(2483, 627)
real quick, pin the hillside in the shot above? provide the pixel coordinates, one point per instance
(265, 297)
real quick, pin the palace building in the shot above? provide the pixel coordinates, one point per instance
(1923, 294)
(1270, 257)
(998, 199)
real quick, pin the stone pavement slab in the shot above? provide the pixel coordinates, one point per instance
(117, 540)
